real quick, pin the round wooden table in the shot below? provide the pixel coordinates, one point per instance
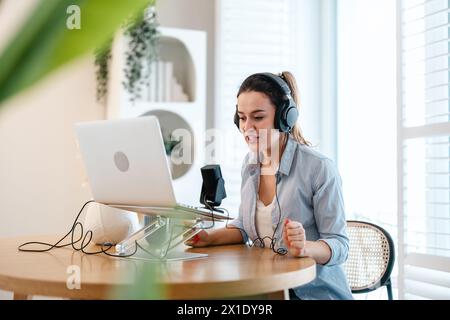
(227, 272)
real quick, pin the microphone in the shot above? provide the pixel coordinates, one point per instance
(213, 187)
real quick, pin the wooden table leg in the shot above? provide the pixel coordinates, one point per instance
(278, 295)
(20, 296)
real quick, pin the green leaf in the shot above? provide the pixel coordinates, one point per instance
(147, 285)
(45, 43)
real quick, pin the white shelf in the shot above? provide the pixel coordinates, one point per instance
(186, 49)
(185, 109)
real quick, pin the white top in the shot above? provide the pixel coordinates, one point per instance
(264, 221)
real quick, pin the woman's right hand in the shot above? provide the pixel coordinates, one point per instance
(201, 239)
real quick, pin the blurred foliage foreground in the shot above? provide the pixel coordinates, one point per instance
(55, 33)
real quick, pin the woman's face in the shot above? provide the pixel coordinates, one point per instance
(256, 119)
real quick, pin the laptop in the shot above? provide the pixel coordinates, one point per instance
(127, 168)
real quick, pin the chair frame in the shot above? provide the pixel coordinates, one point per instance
(386, 278)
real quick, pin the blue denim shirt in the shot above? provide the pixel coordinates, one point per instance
(309, 191)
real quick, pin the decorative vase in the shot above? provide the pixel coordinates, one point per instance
(110, 225)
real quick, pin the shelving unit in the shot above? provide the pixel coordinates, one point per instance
(186, 51)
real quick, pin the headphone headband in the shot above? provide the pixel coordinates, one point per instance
(287, 113)
(278, 81)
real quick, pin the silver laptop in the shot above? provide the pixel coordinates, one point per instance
(127, 168)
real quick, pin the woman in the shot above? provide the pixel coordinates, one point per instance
(291, 195)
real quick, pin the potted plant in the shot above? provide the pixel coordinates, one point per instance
(142, 42)
(169, 145)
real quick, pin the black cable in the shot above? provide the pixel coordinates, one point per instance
(56, 245)
(211, 208)
(86, 239)
(273, 239)
(280, 250)
(83, 237)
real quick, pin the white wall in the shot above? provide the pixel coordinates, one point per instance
(40, 175)
(197, 15)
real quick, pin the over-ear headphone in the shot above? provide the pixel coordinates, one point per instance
(286, 114)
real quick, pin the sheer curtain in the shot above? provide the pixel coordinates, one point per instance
(424, 149)
(252, 36)
(366, 112)
(367, 109)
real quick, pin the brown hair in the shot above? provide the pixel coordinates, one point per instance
(260, 83)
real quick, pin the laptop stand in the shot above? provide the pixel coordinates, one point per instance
(159, 237)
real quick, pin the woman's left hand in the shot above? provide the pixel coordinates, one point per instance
(294, 237)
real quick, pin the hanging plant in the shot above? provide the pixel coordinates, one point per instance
(142, 37)
(142, 50)
(102, 58)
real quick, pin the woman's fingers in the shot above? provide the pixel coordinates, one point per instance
(300, 237)
(296, 252)
(293, 224)
(295, 232)
(190, 242)
(285, 237)
(294, 237)
(199, 240)
(297, 248)
(293, 229)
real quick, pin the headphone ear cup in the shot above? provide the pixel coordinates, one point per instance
(286, 116)
(290, 117)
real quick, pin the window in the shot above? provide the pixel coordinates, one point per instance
(252, 36)
(424, 149)
(366, 109)
(274, 35)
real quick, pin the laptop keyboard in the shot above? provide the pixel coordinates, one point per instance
(198, 209)
(193, 208)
